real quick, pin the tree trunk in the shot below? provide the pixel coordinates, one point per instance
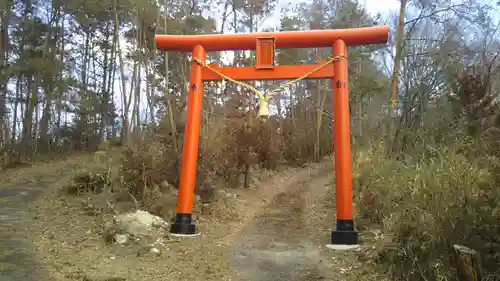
(125, 120)
(395, 72)
(320, 105)
(4, 44)
(468, 264)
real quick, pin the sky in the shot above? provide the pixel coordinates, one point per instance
(373, 7)
(381, 6)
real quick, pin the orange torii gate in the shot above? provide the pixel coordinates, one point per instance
(265, 45)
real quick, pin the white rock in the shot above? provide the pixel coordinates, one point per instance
(139, 226)
(154, 251)
(121, 238)
(139, 223)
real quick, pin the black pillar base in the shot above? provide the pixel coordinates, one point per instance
(345, 233)
(183, 225)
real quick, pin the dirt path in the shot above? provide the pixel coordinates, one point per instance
(17, 261)
(278, 235)
(279, 244)
(19, 190)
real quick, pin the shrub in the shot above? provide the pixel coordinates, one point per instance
(146, 169)
(428, 205)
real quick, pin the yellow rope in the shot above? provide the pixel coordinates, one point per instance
(393, 106)
(264, 101)
(291, 82)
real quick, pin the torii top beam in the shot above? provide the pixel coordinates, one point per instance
(284, 40)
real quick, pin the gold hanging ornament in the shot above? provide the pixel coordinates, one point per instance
(263, 108)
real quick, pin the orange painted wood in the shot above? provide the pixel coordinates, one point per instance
(191, 135)
(265, 53)
(280, 72)
(338, 40)
(286, 39)
(342, 135)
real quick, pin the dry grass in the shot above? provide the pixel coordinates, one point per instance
(87, 190)
(70, 241)
(410, 211)
(425, 206)
(44, 171)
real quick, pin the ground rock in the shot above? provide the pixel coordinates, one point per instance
(136, 226)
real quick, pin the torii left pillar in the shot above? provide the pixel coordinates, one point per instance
(183, 224)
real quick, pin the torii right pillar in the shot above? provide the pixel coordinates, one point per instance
(345, 235)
